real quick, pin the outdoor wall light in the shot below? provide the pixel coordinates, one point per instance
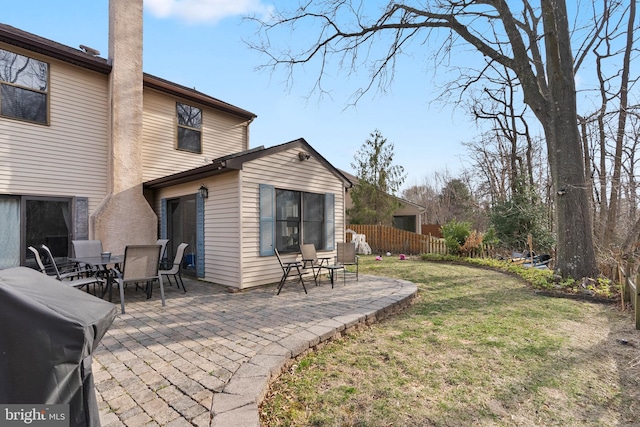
(303, 156)
(203, 192)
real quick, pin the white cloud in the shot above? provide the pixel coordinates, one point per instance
(204, 10)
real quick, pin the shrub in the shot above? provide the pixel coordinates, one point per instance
(490, 237)
(543, 279)
(472, 243)
(455, 234)
(513, 220)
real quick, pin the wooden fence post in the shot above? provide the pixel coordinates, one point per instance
(624, 278)
(637, 308)
(636, 293)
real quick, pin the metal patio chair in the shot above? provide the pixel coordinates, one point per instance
(163, 248)
(176, 267)
(69, 278)
(311, 260)
(141, 265)
(287, 268)
(346, 255)
(87, 249)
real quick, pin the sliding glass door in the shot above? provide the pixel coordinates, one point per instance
(48, 221)
(34, 221)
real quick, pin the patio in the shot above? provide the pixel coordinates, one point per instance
(207, 357)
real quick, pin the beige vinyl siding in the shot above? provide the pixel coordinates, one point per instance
(222, 231)
(69, 156)
(285, 171)
(222, 134)
(221, 222)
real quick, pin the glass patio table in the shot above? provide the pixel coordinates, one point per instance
(102, 263)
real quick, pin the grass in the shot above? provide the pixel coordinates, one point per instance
(477, 347)
(544, 279)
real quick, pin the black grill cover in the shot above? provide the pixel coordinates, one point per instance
(48, 331)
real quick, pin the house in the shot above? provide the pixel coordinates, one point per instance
(94, 148)
(408, 216)
(255, 200)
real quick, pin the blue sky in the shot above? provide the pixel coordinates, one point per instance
(200, 44)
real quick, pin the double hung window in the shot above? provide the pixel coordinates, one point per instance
(189, 128)
(24, 87)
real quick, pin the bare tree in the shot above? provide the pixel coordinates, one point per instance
(631, 244)
(424, 195)
(630, 164)
(533, 42)
(620, 133)
(607, 134)
(489, 159)
(429, 194)
(501, 107)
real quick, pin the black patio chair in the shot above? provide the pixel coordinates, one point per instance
(287, 268)
(70, 278)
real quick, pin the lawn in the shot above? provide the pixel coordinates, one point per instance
(477, 347)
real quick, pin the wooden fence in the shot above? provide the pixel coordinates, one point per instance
(384, 239)
(630, 291)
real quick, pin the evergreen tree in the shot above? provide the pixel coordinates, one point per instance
(520, 215)
(378, 181)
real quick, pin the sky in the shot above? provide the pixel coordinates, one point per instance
(202, 44)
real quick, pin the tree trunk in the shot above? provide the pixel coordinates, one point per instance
(612, 217)
(587, 165)
(576, 255)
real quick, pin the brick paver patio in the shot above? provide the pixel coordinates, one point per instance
(208, 356)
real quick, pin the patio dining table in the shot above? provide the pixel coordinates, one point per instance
(102, 263)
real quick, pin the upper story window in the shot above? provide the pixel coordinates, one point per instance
(24, 87)
(189, 128)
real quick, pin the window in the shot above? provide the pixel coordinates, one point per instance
(289, 218)
(407, 222)
(295, 212)
(313, 219)
(189, 128)
(24, 87)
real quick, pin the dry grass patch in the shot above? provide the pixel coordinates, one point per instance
(476, 348)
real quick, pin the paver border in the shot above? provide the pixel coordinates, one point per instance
(237, 404)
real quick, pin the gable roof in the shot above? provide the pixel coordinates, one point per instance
(175, 89)
(235, 161)
(43, 46)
